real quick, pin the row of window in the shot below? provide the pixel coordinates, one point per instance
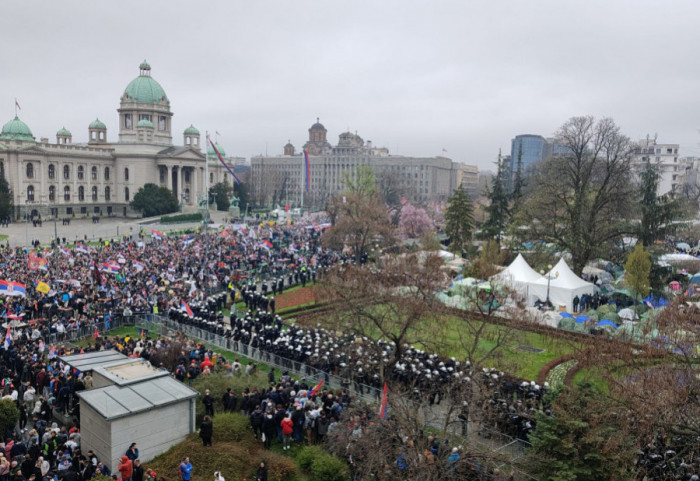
(162, 121)
(66, 172)
(81, 193)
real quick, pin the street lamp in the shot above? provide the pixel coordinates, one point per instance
(549, 279)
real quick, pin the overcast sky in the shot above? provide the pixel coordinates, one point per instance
(416, 77)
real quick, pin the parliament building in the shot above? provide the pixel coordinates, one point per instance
(100, 177)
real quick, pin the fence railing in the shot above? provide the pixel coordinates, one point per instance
(165, 326)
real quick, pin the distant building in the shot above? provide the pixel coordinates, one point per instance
(102, 176)
(280, 179)
(672, 170)
(526, 152)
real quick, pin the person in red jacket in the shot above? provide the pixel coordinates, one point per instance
(287, 430)
(126, 468)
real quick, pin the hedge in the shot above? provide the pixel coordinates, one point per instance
(172, 219)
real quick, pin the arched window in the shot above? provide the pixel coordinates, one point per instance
(81, 172)
(94, 193)
(126, 173)
(52, 171)
(52, 193)
(94, 173)
(81, 193)
(106, 173)
(30, 193)
(66, 172)
(30, 171)
(66, 194)
(126, 192)
(108, 193)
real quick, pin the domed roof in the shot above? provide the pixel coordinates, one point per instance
(64, 132)
(191, 130)
(221, 150)
(289, 144)
(15, 129)
(145, 123)
(97, 124)
(318, 125)
(144, 89)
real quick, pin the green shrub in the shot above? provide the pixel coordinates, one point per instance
(217, 384)
(231, 427)
(172, 219)
(329, 468)
(307, 455)
(279, 467)
(9, 414)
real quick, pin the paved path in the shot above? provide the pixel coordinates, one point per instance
(21, 233)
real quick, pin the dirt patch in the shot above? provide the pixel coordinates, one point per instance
(296, 297)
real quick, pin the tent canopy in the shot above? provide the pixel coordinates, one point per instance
(563, 286)
(518, 271)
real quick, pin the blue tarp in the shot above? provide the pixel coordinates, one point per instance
(582, 319)
(655, 302)
(566, 314)
(606, 322)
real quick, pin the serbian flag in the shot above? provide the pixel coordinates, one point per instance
(65, 251)
(183, 305)
(138, 266)
(81, 248)
(187, 241)
(383, 406)
(266, 244)
(221, 159)
(316, 389)
(8, 339)
(10, 288)
(111, 267)
(307, 172)
(156, 234)
(171, 268)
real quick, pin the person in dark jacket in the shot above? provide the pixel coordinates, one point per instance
(206, 430)
(133, 452)
(261, 474)
(137, 474)
(208, 402)
(256, 420)
(269, 429)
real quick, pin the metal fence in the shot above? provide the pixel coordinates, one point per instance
(166, 326)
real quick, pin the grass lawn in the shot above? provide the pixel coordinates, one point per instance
(524, 354)
(592, 376)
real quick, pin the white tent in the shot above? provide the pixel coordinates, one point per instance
(518, 275)
(564, 285)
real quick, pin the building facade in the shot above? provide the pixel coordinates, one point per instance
(526, 152)
(672, 169)
(101, 177)
(281, 179)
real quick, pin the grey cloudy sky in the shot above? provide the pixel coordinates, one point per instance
(414, 76)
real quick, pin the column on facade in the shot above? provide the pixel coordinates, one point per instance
(194, 192)
(169, 177)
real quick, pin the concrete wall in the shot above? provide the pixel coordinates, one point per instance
(154, 431)
(95, 434)
(98, 380)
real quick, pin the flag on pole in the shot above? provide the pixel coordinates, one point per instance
(8, 339)
(187, 241)
(156, 234)
(183, 305)
(17, 104)
(307, 172)
(9, 288)
(138, 266)
(382, 406)
(316, 389)
(171, 268)
(43, 287)
(65, 251)
(221, 159)
(81, 248)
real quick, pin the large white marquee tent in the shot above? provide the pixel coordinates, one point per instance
(564, 285)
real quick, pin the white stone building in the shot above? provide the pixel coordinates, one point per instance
(102, 176)
(665, 157)
(280, 179)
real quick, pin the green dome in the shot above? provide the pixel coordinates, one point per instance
(221, 150)
(15, 129)
(145, 123)
(144, 89)
(97, 124)
(64, 132)
(191, 130)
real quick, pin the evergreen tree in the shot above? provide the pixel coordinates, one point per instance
(519, 181)
(6, 202)
(459, 220)
(657, 212)
(153, 200)
(498, 209)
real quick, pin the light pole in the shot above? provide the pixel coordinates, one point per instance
(549, 279)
